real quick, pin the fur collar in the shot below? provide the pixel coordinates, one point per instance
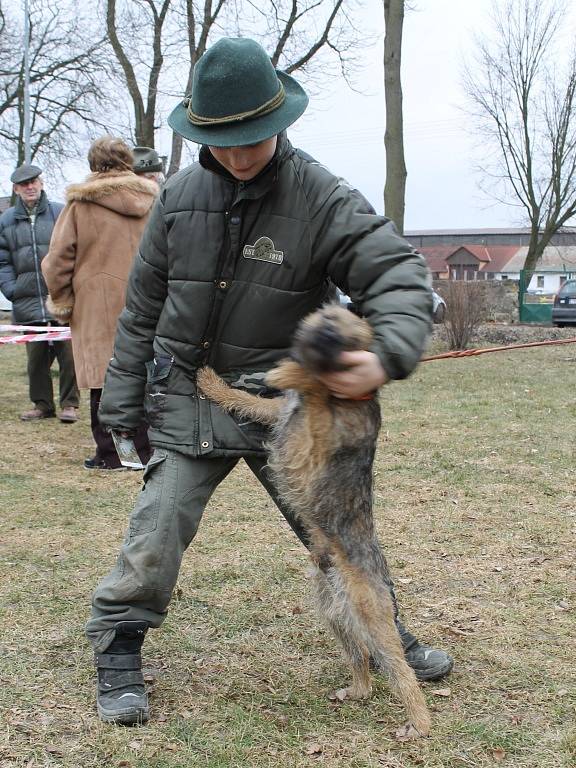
(99, 185)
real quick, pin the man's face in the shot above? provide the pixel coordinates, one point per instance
(29, 191)
(244, 163)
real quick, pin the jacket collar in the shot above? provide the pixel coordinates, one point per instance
(21, 212)
(260, 184)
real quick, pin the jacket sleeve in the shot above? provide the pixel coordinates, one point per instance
(122, 402)
(59, 264)
(7, 271)
(386, 278)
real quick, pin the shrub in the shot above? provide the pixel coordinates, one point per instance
(466, 310)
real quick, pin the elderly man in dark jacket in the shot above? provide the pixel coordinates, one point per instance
(25, 232)
(239, 248)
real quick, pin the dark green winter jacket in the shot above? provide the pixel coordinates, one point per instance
(224, 273)
(23, 245)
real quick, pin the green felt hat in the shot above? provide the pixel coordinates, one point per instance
(238, 97)
(146, 160)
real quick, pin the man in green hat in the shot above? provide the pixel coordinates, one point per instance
(239, 248)
(147, 163)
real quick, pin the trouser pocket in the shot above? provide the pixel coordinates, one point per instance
(144, 518)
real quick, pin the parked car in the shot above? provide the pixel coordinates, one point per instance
(564, 309)
(438, 308)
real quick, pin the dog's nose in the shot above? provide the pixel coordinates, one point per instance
(321, 349)
(327, 338)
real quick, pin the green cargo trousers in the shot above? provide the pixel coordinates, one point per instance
(164, 522)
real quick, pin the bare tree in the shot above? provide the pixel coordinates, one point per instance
(64, 78)
(146, 20)
(304, 35)
(395, 186)
(524, 107)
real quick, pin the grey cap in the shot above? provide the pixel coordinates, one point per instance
(146, 160)
(25, 172)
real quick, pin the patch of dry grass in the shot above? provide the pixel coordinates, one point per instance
(476, 509)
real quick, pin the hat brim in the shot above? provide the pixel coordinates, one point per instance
(240, 133)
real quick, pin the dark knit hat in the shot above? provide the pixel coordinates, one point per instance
(146, 160)
(238, 97)
(25, 172)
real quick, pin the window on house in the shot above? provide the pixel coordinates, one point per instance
(540, 281)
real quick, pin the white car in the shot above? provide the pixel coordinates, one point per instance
(438, 308)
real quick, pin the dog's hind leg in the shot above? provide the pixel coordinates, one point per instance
(374, 614)
(334, 609)
(388, 654)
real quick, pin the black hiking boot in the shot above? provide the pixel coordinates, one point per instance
(122, 695)
(428, 663)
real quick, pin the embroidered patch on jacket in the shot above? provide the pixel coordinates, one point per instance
(263, 250)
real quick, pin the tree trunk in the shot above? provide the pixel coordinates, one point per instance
(395, 187)
(175, 154)
(539, 240)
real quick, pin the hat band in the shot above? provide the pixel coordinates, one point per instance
(264, 109)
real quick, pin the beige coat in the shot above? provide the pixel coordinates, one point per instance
(86, 269)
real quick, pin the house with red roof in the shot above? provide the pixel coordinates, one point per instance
(480, 256)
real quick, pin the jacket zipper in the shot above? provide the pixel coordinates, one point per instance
(36, 268)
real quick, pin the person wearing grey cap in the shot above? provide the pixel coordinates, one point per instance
(25, 232)
(148, 164)
(239, 248)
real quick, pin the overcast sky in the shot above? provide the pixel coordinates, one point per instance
(346, 132)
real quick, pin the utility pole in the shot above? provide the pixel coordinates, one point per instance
(27, 156)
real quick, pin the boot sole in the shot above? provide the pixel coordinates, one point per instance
(128, 716)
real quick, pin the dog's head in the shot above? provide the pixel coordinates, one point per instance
(323, 335)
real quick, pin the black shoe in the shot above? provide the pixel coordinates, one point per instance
(101, 464)
(121, 697)
(428, 663)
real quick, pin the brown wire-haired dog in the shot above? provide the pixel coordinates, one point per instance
(321, 456)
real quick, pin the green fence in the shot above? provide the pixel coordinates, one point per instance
(536, 307)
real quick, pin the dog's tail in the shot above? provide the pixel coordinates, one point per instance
(262, 409)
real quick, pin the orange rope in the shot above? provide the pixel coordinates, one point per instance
(473, 352)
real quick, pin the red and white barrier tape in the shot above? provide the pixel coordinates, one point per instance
(59, 334)
(31, 328)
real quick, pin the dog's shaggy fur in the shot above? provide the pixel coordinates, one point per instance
(321, 456)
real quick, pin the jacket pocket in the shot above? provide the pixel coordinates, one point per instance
(159, 368)
(157, 374)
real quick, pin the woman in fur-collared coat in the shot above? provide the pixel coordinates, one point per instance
(86, 269)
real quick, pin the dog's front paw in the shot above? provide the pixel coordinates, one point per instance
(409, 732)
(352, 693)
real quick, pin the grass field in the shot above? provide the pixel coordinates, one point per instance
(476, 509)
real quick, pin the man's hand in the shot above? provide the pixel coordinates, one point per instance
(363, 374)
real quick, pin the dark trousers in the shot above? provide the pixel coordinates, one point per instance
(41, 355)
(105, 450)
